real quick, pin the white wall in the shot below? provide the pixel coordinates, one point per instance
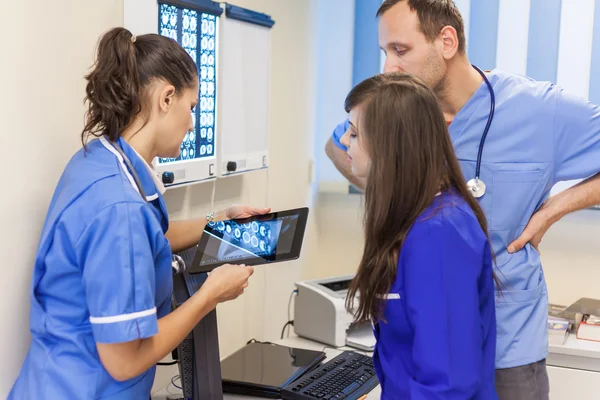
(46, 48)
(335, 32)
(571, 257)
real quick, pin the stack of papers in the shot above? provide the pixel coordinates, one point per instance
(560, 322)
(558, 331)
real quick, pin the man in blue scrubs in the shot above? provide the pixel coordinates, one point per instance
(539, 136)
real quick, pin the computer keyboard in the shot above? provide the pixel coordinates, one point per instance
(348, 376)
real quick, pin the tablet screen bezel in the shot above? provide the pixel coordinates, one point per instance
(293, 254)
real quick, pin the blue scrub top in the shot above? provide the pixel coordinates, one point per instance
(438, 337)
(540, 135)
(102, 274)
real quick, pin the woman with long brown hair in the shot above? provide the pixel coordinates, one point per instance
(425, 279)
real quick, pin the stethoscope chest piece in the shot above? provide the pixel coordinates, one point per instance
(476, 187)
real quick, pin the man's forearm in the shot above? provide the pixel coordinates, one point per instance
(185, 234)
(578, 197)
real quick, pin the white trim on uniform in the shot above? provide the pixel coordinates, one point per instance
(389, 296)
(122, 317)
(154, 175)
(110, 148)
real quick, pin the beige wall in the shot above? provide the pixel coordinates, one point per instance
(571, 257)
(45, 47)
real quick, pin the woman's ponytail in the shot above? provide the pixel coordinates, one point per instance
(125, 67)
(113, 88)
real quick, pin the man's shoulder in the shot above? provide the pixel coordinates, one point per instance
(521, 87)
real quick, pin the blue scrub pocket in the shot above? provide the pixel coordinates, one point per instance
(516, 193)
(520, 316)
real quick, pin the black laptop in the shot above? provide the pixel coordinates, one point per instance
(262, 369)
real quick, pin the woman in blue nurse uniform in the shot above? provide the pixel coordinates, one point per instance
(425, 278)
(102, 282)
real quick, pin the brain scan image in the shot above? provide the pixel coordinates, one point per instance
(197, 33)
(246, 237)
(255, 236)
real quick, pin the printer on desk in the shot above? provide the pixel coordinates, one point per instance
(320, 314)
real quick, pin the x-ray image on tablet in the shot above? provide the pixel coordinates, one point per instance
(257, 240)
(246, 240)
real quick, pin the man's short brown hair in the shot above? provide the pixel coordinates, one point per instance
(433, 16)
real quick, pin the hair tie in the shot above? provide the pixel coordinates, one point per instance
(133, 38)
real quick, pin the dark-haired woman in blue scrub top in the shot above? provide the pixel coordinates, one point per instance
(425, 279)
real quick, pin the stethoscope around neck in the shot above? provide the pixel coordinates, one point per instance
(476, 186)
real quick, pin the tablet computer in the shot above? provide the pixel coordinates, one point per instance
(260, 239)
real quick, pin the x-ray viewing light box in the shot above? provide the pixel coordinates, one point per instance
(195, 27)
(232, 52)
(244, 86)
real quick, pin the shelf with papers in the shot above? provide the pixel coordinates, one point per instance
(575, 353)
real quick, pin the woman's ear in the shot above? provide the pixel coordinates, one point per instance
(167, 96)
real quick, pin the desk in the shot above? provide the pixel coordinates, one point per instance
(573, 368)
(576, 354)
(294, 341)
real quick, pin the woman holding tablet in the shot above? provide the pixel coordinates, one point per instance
(102, 280)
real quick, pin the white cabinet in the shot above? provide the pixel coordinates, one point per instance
(568, 383)
(574, 370)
